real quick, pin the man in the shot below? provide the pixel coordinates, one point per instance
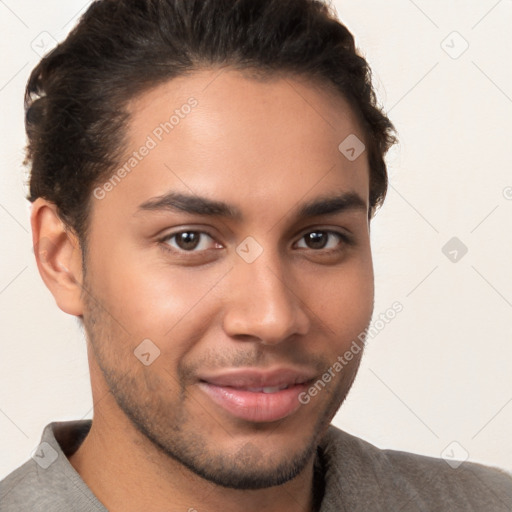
(203, 177)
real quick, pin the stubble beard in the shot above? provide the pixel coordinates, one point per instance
(167, 426)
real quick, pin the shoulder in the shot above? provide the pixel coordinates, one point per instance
(47, 482)
(361, 470)
(18, 490)
(30, 487)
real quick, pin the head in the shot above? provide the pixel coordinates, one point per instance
(194, 205)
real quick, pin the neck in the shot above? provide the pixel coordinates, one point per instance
(123, 468)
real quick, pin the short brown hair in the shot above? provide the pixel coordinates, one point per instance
(76, 96)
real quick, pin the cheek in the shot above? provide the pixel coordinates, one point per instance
(344, 301)
(153, 299)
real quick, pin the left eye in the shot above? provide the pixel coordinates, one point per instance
(319, 239)
(188, 240)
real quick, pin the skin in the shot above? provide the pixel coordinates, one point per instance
(265, 147)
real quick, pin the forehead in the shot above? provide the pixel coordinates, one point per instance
(222, 134)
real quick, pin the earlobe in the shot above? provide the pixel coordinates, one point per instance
(58, 256)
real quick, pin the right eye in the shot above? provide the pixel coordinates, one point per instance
(187, 241)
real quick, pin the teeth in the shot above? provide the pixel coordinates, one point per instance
(273, 390)
(268, 389)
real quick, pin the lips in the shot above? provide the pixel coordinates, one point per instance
(257, 379)
(267, 389)
(257, 396)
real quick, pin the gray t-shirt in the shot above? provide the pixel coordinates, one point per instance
(351, 475)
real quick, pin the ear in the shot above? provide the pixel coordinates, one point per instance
(58, 256)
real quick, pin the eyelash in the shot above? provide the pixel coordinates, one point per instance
(344, 239)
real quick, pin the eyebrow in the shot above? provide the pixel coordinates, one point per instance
(193, 204)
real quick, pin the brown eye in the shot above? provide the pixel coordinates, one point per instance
(319, 240)
(316, 239)
(188, 241)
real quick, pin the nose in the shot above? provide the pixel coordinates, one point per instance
(261, 303)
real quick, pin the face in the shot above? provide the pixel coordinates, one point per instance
(232, 255)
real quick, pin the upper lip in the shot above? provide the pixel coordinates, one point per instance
(253, 378)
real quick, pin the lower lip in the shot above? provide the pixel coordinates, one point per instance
(255, 406)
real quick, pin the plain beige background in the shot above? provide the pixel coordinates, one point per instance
(435, 380)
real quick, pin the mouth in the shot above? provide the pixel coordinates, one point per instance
(255, 396)
(267, 389)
